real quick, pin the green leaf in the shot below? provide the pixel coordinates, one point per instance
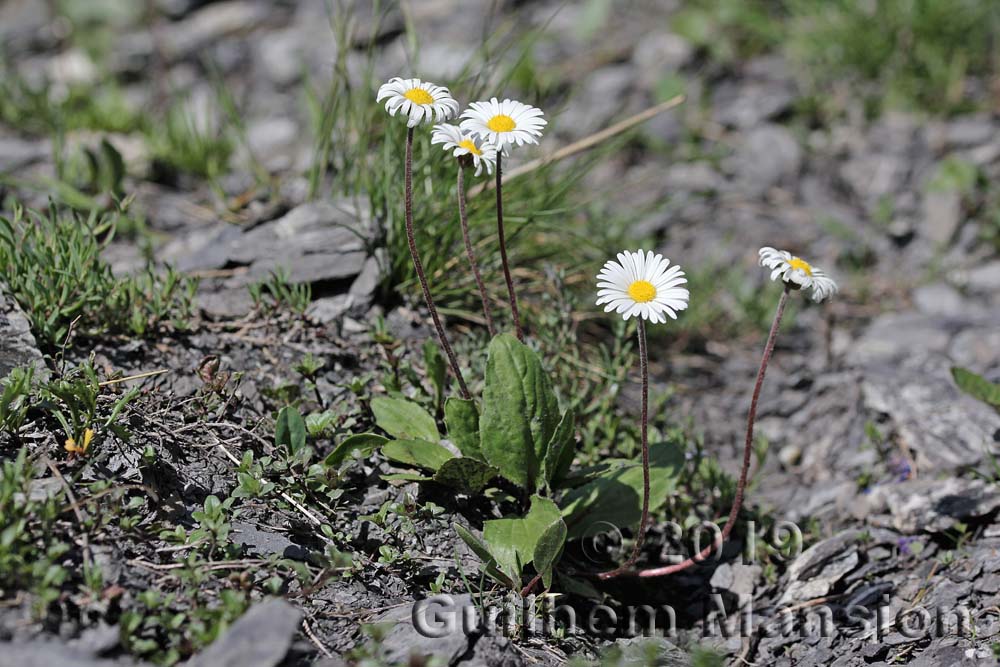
(614, 498)
(512, 541)
(977, 386)
(465, 474)
(290, 430)
(406, 477)
(417, 453)
(436, 369)
(404, 419)
(462, 419)
(548, 549)
(580, 587)
(366, 443)
(560, 452)
(484, 555)
(520, 412)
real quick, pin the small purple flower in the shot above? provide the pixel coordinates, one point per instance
(903, 544)
(900, 467)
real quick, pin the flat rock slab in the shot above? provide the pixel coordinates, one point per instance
(932, 505)
(818, 569)
(52, 654)
(17, 343)
(905, 360)
(260, 638)
(315, 242)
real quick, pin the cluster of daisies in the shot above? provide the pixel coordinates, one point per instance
(486, 128)
(639, 284)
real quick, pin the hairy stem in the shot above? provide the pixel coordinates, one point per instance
(503, 251)
(641, 534)
(747, 448)
(470, 253)
(419, 267)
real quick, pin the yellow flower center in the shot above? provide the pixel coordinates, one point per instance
(470, 146)
(418, 96)
(801, 265)
(642, 291)
(501, 123)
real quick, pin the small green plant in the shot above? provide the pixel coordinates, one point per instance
(250, 477)
(73, 400)
(15, 398)
(167, 628)
(31, 555)
(213, 524)
(182, 143)
(279, 292)
(53, 266)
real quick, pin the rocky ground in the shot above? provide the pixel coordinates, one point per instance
(873, 451)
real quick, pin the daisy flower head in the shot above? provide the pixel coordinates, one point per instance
(420, 101)
(504, 123)
(798, 273)
(642, 284)
(482, 153)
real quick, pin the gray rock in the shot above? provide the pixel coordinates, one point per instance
(942, 214)
(933, 506)
(97, 640)
(985, 277)
(637, 651)
(818, 569)
(405, 642)
(52, 654)
(314, 242)
(443, 61)
(266, 542)
(17, 344)
(329, 308)
(872, 176)
(693, 176)
(260, 638)
(970, 131)
(208, 25)
(737, 578)
(894, 336)
(603, 96)
(225, 303)
(766, 91)
(768, 156)
(364, 286)
(660, 53)
(939, 299)
(273, 141)
(944, 428)
(18, 153)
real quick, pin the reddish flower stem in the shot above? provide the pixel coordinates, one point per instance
(503, 251)
(419, 267)
(641, 534)
(470, 253)
(747, 447)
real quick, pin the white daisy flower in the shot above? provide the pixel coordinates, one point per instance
(504, 123)
(466, 143)
(798, 273)
(640, 284)
(420, 101)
